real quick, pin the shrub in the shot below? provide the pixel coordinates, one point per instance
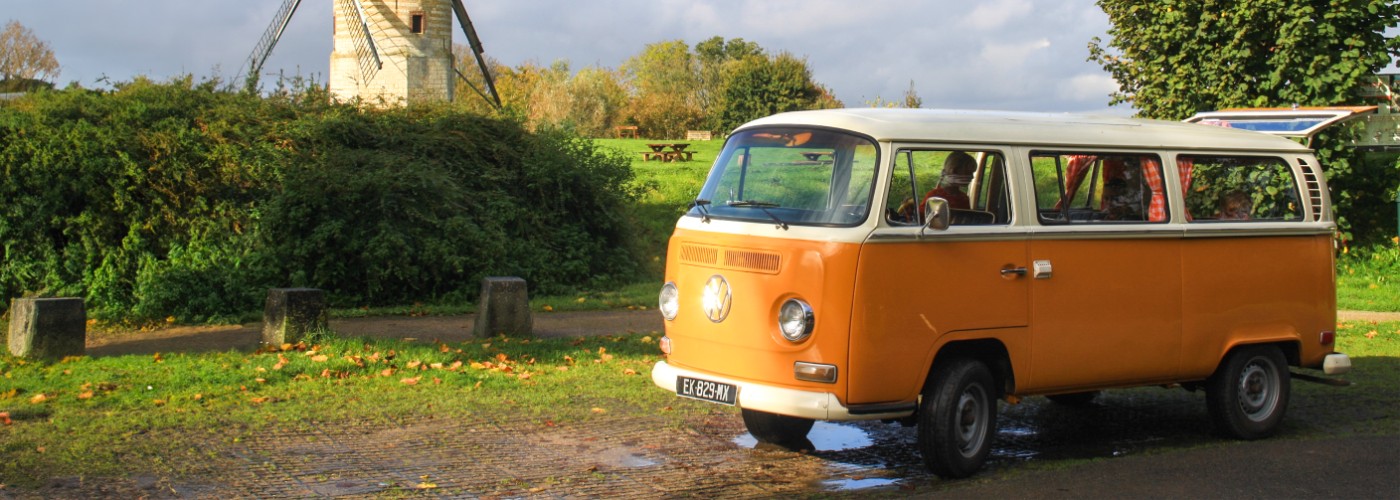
(181, 199)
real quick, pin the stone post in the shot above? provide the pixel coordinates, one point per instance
(293, 313)
(504, 308)
(48, 328)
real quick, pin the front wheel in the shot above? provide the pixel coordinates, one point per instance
(1248, 395)
(781, 430)
(957, 419)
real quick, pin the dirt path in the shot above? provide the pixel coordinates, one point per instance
(414, 328)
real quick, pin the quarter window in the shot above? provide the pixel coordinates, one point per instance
(1235, 189)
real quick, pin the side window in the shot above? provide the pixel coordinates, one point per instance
(1235, 188)
(1073, 188)
(973, 182)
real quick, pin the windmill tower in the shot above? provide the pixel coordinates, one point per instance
(390, 51)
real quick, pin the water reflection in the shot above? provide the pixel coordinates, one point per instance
(825, 436)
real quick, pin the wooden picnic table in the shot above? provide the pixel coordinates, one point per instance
(676, 152)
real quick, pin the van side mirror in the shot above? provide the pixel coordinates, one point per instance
(938, 215)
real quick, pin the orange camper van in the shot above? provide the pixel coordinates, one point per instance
(921, 265)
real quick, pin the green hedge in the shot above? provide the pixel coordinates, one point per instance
(181, 199)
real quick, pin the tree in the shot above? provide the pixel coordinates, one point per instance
(664, 82)
(911, 97)
(24, 57)
(598, 99)
(761, 86)
(717, 61)
(1173, 58)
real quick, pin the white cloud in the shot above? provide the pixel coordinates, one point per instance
(1086, 87)
(995, 15)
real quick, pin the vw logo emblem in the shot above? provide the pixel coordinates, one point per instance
(717, 298)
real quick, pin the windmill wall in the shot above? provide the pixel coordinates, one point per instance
(417, 66)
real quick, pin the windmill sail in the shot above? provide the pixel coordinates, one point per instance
(477, 50)
(365, 50)
(269, 39)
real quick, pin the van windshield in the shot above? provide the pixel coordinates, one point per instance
(798, 176)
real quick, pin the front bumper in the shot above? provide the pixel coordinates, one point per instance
(806, 404)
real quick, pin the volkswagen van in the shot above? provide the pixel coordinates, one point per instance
(922, 266)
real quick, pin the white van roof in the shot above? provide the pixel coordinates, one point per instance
(1041, 129)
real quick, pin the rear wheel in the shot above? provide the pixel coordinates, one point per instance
(1248, 395)
(957, 419)
(781, 430)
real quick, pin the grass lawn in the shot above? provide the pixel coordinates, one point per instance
(1369, 279)
(168, 412)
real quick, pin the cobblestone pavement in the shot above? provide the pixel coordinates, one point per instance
(640, 457)
(636, 456)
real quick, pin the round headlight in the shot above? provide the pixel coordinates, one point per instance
(669, 301)
(795, 320)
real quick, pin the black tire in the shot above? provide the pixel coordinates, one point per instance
(958, 419)
(781, 430)
(1248, 394)
(1074, 398)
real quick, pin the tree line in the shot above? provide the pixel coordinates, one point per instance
(667, 89)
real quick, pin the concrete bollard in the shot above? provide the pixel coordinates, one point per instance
(293, 313)
(48, 328)
(504, 308)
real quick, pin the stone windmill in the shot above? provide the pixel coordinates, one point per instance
(390, 51)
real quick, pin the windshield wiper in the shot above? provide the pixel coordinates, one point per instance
(704, 212)
(764, 206)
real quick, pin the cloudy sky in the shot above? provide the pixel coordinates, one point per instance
(992, 54)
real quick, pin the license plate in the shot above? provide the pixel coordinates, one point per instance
(705, 390)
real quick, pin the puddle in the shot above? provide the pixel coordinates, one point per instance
(625, 458)
(853, 484)
(873, 455)
(825, 436)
